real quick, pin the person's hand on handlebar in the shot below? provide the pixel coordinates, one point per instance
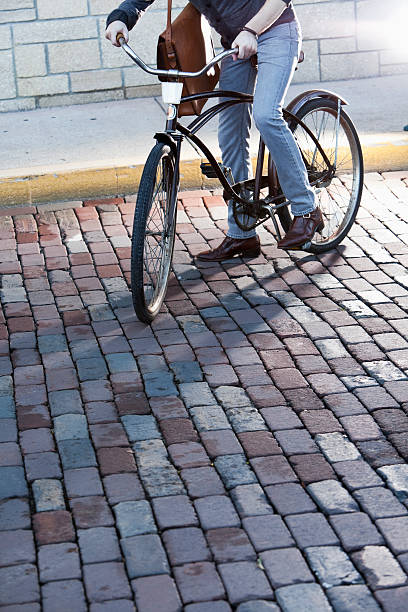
(247, 45)
(115, 29)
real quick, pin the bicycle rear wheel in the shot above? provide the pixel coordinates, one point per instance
(153, 234)
(338, 193)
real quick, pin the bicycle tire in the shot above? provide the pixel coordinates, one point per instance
(153, 234)
(340, 199)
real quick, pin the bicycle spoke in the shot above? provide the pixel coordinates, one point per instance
(154, 248)
(337, 185)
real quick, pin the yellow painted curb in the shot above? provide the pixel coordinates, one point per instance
(74, 185)
(84, 184)
(124, 180)
(385, 157)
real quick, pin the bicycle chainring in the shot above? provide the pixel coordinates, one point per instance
(244, 214)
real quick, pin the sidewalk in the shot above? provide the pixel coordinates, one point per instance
(99, 150)
(246, 452)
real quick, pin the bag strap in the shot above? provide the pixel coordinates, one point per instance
(168, 38)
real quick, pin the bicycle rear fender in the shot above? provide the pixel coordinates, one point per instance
(312, 94)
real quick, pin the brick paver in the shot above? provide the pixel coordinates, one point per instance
(247, 451)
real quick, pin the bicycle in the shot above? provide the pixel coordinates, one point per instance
(330, 148)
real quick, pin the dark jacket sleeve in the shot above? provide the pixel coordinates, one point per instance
(129, 12)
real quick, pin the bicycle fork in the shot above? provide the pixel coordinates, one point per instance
(174, 141)
(176, 179)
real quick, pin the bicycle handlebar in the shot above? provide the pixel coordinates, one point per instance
(173, 73)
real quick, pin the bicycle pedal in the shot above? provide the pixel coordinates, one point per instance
(209, 172)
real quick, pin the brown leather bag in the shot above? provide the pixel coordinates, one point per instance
(186, 45)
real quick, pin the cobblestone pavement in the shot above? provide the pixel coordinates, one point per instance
(246, 452)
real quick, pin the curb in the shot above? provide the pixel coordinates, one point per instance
(124, 180)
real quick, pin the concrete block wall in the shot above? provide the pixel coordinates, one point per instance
(53, 52)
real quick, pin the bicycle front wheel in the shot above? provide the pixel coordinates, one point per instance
(153, 235)
(338, 193)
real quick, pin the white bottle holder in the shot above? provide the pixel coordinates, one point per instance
(171, 92)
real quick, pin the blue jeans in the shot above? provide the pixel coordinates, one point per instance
(278, 52)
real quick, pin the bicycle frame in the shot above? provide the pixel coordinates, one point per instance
(175, 133)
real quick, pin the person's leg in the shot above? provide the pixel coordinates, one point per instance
(234, 130)
(278, 50)
(233, 137)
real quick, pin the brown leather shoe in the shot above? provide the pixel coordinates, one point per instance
(247, 247)
(302, 230)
